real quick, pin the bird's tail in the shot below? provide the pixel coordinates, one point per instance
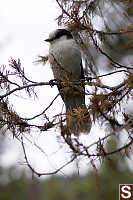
(78, 121)
(77, 116)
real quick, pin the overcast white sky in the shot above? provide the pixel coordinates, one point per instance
(24, 26)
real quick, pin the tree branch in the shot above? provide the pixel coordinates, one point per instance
(46, 173)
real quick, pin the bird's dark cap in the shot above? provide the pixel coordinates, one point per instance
(57, 34)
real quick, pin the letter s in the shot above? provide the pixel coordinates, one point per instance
(126, 189)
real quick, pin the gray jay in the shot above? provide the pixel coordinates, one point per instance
(66, 63)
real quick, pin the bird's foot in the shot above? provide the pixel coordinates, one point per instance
(52, 82)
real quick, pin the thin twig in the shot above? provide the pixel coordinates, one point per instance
(46, 173)
(24, 87)
(31, 118)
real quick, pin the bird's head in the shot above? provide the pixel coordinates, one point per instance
(59, 34)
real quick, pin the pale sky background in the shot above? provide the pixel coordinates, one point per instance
(24, 26)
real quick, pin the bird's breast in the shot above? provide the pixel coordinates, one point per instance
(65, 56)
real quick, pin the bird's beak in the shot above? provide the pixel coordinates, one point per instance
(47, 40)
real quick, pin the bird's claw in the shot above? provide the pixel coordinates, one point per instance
(53, 82)
(89, 79)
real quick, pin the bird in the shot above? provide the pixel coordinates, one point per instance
(66, 63)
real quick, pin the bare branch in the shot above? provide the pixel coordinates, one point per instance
(43, 112)
(117, 65)
(24, 87)
(46, 173)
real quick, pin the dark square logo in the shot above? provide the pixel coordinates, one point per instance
(126, 192)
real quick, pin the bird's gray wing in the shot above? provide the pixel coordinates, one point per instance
(60, 87)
